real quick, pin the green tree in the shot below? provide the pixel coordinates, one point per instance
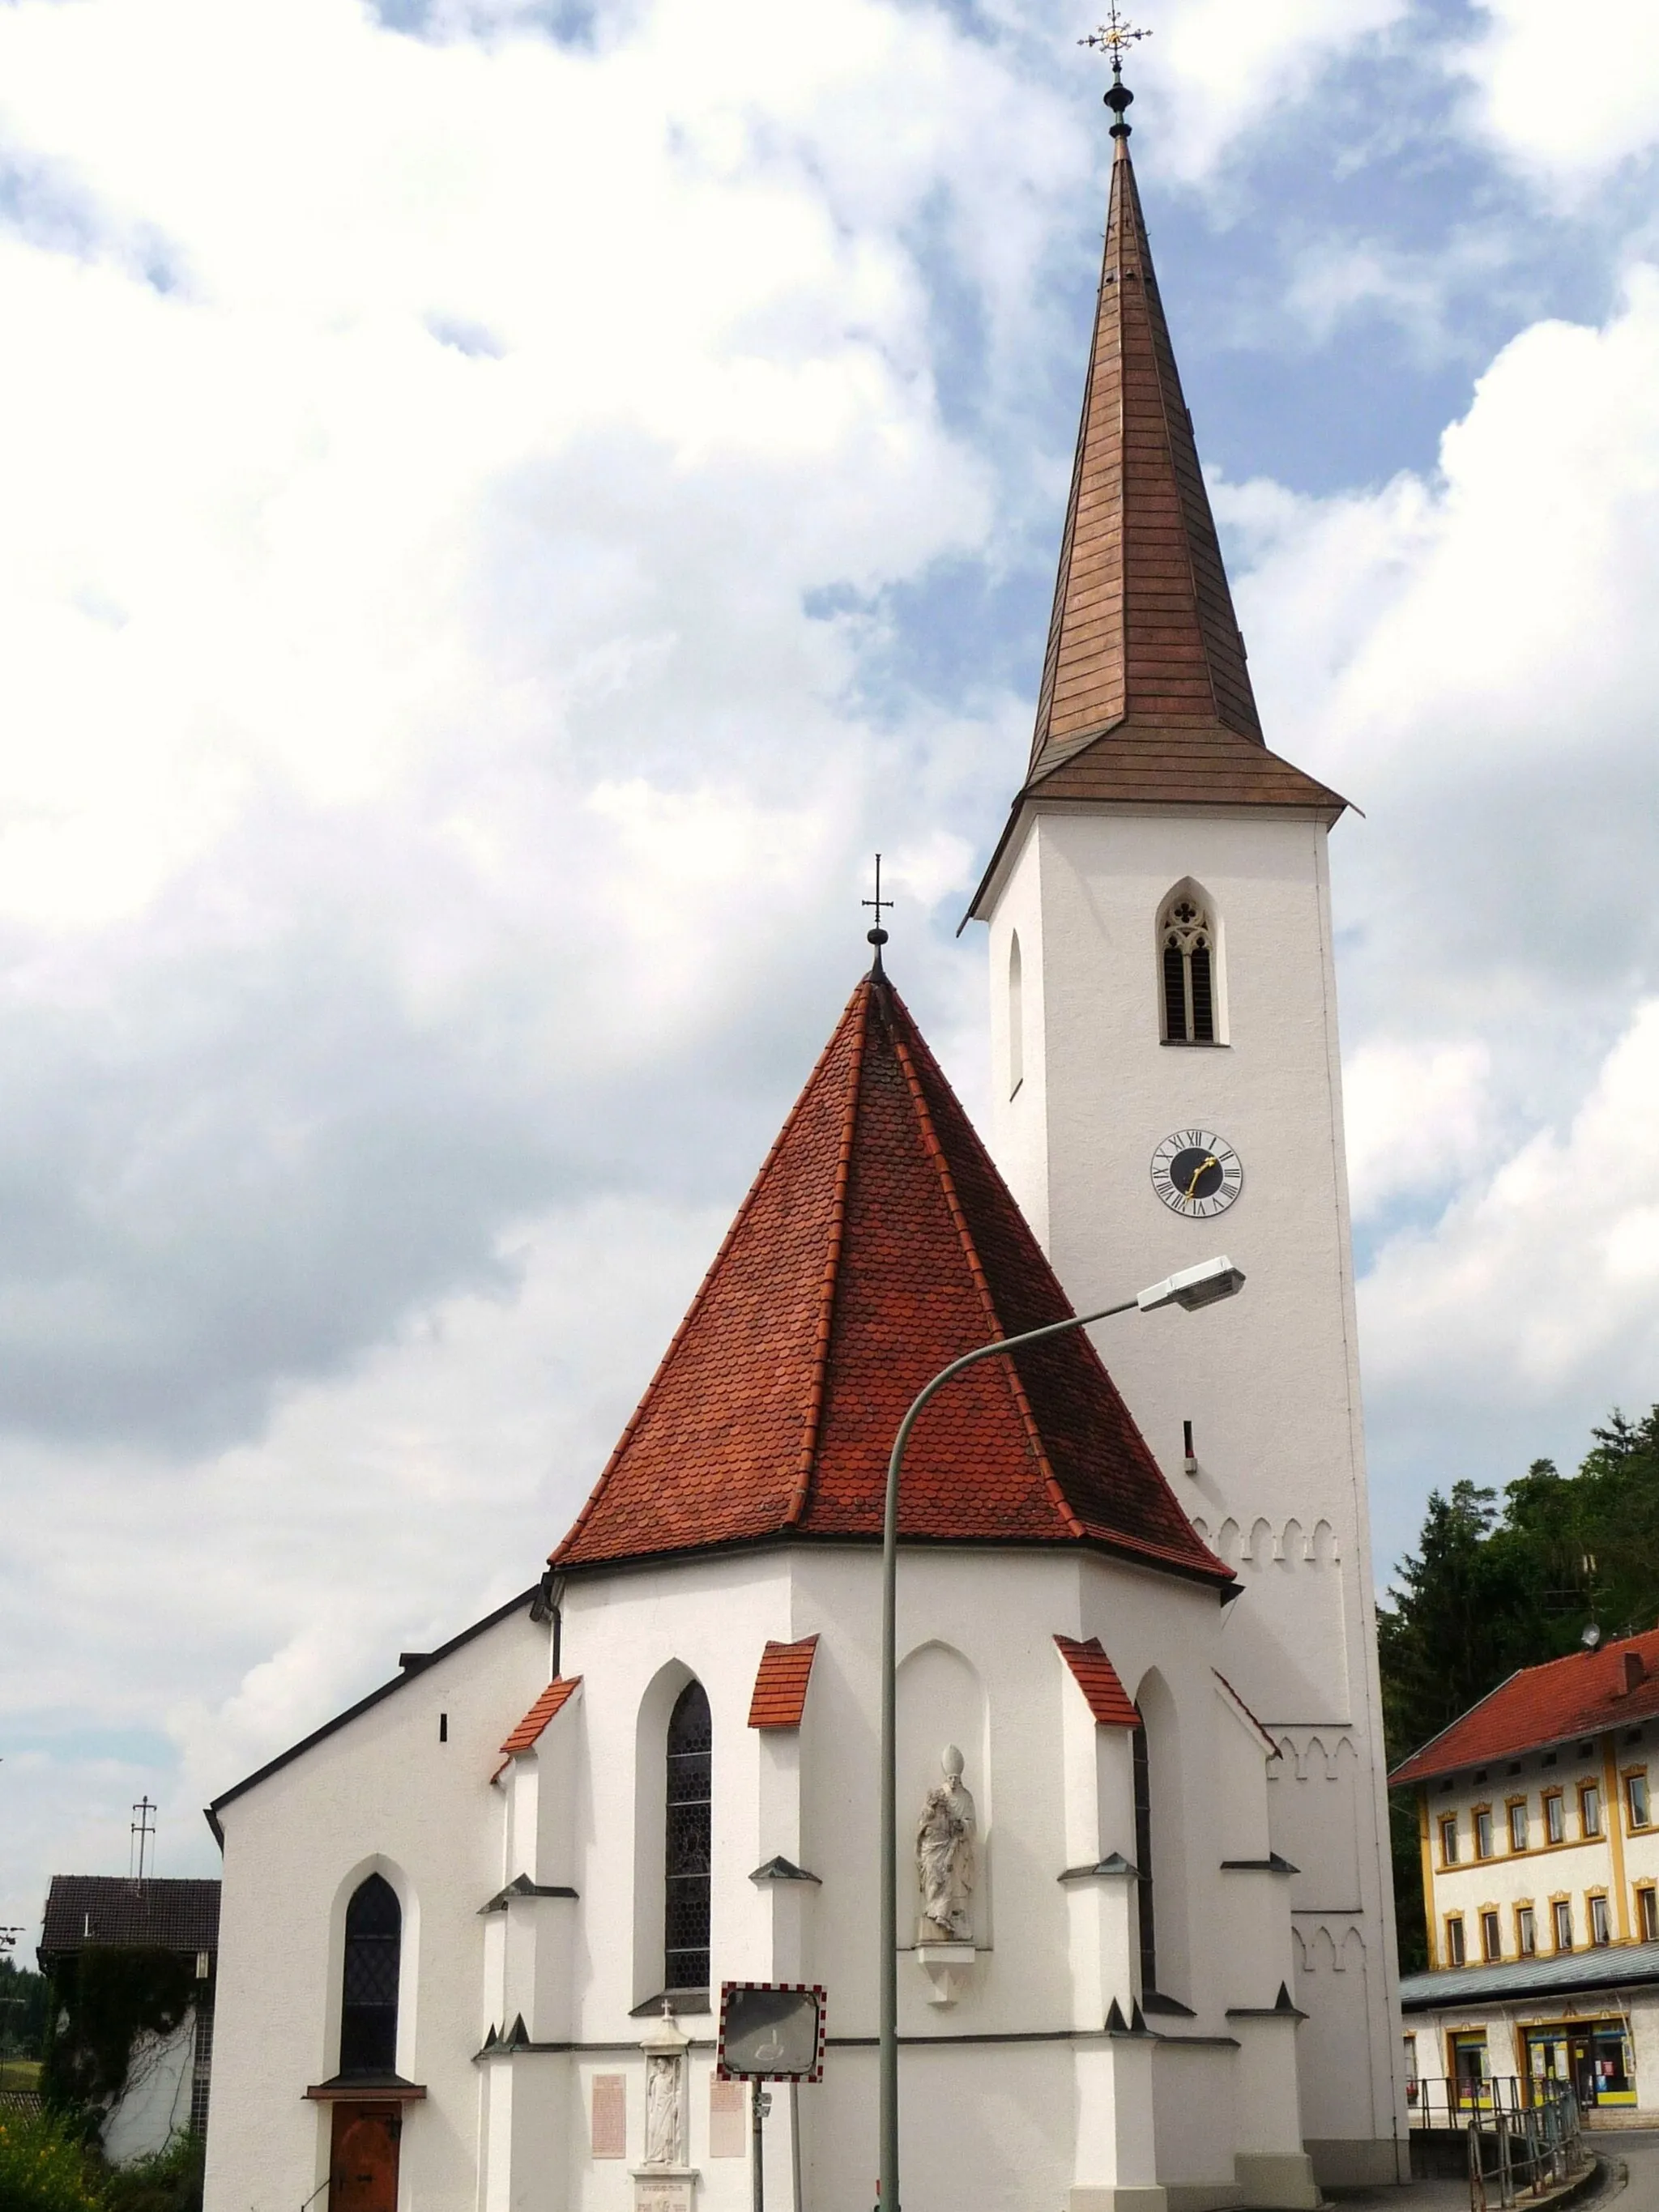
(1495, 1585)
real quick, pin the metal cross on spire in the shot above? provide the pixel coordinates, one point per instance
(1111, 37)
(877, 936)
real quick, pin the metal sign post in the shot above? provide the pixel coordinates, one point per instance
(771, 2031)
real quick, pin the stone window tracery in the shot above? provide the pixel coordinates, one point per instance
(1186, 936)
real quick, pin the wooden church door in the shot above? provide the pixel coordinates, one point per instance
(363, 2162)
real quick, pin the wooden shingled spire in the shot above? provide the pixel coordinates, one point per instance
(1146, 695)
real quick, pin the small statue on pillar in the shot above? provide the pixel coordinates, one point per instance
(945, 1857)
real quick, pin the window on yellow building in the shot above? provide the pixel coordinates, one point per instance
(1526, 1931)
(1519, 1824)
(1600, 1932)
(1636, 1799)
(1647, 1915)
(1483, 1831)
(1589, 1808)
(1555, 1817)
(1491, 1942)
(1449, 1840)
(1454, 1938)
(1562, 1914)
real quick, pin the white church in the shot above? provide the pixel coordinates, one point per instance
(466, 1922)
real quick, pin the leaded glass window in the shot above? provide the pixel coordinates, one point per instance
(687, 1857)
(1143, 1780)
(368, 1988)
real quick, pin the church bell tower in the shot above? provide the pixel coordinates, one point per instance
(1166, 1086)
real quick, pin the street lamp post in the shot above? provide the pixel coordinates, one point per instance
(1191, 1288)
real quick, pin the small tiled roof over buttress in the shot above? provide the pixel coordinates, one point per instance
(552, 1700)
(1581, 1695)
(780, 1699)
(876, 1243)
(1097, 1678)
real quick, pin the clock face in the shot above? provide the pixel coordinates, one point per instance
(1197, 1173)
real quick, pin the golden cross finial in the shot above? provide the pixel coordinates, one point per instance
(1110, 38)
(1113, 35)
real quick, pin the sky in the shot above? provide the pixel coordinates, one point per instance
(507, 503)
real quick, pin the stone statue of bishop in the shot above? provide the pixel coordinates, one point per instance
(945, 1856)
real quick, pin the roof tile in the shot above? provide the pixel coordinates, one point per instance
(1583, 1694)
(96, 1909)
(877, 1244)
(1097, 1678)
(552, 1700)
(779, 1698)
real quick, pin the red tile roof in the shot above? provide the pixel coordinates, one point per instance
(779, 1698)
(876, 1243)
(1096, 1677)
(552, 1700)
(1581, 1695)
(1146, 693)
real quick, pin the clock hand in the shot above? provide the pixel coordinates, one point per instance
(1212, 1162)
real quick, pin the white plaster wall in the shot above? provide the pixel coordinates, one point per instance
(972, 1626)
(153, 2105)
(384, 1793)
(977, 1629)
(1270, 1380)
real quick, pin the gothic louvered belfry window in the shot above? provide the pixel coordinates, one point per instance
(1186, 936)
(368, 1987)
(690, 1842)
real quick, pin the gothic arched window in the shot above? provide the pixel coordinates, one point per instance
(1016, 1017)
(368, 1984)
(688, 1855)
(1143, 1774)
(1185, 937)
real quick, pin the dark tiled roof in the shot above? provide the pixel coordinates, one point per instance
(781, 1683)
(1097, 1678)
(1612, 1965)
(877, 1244)
(1612, 1688)
(88, 1909)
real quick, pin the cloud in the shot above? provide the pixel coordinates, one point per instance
(1578, 133)
(1467, 655)
(504, 515)
(1418, 1118)
(1536, 1286)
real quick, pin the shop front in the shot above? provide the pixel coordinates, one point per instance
(1594, 2055)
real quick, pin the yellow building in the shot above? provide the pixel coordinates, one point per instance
(1540, 1888)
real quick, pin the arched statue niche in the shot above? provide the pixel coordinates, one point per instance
(944, 1822)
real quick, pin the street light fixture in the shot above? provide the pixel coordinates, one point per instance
(1190, 1288)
